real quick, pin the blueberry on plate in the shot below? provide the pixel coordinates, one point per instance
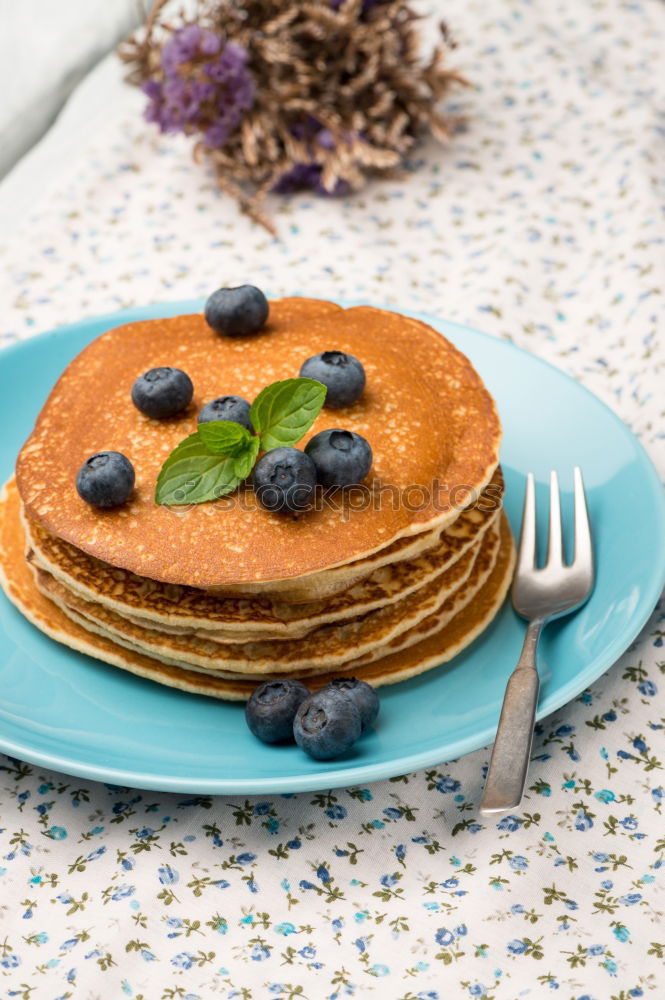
(327, 724)
(342, 458)
(285, 480)
(363, 694)
(236, 312)
(162, 392)
(106, 479)
(342, 374)
(227, 408)
(272, 707)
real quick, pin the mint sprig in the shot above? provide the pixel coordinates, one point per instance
(224, 437)
(221, 453)
(193, 474)
(284, 411)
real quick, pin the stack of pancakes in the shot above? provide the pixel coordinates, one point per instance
(381, 582)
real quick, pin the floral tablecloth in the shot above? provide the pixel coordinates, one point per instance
(541, 223)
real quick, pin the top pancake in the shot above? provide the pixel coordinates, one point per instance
(425, 412)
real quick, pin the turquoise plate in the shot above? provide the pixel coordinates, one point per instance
(62, 710)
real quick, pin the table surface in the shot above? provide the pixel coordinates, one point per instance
(541, 223)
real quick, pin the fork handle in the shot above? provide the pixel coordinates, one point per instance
(512, 747)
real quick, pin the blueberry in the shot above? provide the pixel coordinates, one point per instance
(237, 311)
(227, 408)
(105, 479)
(363, 694)
(342, 458)
(285, 480)
(327, 724)
(162, 392)
(272, 708)
(341, 373)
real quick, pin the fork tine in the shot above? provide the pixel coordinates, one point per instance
(554, 549)
(583, 558)
(526, 558)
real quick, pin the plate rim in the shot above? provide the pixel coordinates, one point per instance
(362, 772)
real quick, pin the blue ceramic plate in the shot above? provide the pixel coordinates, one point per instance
(65, 711)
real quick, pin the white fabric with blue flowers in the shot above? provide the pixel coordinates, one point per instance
(541, 223)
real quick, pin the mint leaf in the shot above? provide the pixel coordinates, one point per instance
(284, 411)
(221, 453)
(224, 437)
(245, 457)
(193, 474)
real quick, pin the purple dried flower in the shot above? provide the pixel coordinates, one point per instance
(307, 175)
(206, 86)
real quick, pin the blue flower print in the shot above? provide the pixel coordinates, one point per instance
(583, 821)
(183, 960)
(510, 823)
(444, 937)
(285, 928)
(168, 875)
(123, 892)
(447, 784)
(604, 795)
(517, 946)
(379, 970)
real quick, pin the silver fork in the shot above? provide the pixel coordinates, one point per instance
(539, 595)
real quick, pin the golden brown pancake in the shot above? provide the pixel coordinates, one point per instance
(168, 607)
(329, 646)
(428, 417)
(18, 583)
(432, 624)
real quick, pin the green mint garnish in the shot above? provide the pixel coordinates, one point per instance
(193, 474)
(224, 437)
(284, 411)
(245, 458)
(221, 453)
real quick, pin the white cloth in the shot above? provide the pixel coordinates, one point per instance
(45, 49)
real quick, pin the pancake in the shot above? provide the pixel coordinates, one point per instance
(184, 610)
(18, 582)
(425, 412)
(326, 647)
